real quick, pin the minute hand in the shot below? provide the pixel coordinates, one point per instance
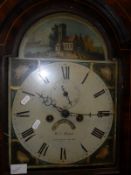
(99, 114)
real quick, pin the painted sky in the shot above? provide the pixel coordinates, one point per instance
(42, 29)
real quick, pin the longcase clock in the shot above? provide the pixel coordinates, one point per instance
(63, 84)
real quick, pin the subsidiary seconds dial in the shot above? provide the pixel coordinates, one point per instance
(62, 112)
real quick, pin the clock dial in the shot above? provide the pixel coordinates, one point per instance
(66, 109)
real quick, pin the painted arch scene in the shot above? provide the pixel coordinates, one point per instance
(63, 36)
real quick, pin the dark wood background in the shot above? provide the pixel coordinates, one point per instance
(115, 16)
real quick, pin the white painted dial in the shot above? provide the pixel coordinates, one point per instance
(62, 113)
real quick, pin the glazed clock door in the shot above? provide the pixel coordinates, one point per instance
(62, 111)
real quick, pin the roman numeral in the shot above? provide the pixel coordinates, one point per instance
(84, 79)
(97, 133)
(65, 72)
(83, 147)
(99, 93)
(63, 154)
(43, 149)
(103, 113)
(46, 81)
(28, 93)
(23, 114)
(28, 134)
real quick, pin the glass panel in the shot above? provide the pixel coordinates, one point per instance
(62, 112)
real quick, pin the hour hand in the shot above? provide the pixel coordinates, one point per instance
(65, 94)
